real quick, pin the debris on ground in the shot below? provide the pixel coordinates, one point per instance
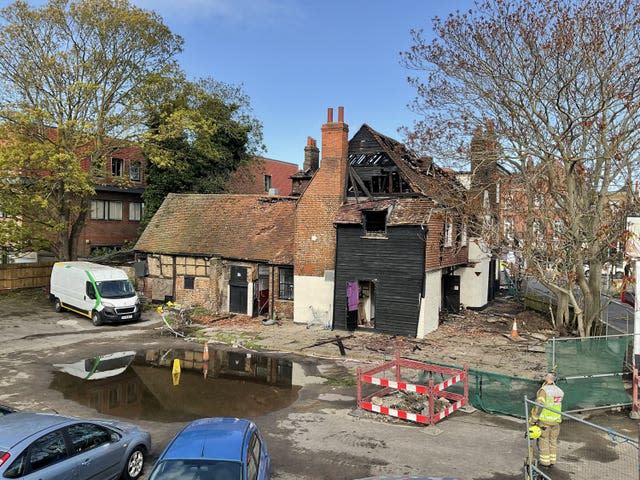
(479, 339)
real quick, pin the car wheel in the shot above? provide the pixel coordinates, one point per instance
(96, 318)
(57, 305)
(135, 464)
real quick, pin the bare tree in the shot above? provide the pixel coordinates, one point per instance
(559, 80)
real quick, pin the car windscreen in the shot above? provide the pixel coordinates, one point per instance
(196, 469)
(116, 289)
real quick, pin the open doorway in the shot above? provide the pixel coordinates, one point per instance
(361, 310)
(366, 304)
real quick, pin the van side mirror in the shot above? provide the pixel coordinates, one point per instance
(90, 293)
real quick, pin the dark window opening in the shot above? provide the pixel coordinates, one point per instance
(117, 167)
(189, 283)
(375, 222)
(267, 183)
(286, 283)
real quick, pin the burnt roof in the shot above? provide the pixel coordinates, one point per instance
(402, 211)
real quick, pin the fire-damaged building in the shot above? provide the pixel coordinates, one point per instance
(374, 237)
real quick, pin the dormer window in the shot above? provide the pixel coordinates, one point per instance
(375, 223)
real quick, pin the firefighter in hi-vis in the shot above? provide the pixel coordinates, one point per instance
(548, 419)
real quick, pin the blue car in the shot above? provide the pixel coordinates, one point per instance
(219, 448)
(37, 446)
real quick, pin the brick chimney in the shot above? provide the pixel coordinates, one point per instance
(335, 149)
(311, 156)
(315, 235)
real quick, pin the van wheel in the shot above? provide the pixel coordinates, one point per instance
(96, 318)
(57, 305)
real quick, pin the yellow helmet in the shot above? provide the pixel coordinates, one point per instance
(534, 432)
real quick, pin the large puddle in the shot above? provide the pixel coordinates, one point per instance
(169, 385)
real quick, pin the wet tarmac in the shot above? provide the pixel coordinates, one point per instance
(170, 385)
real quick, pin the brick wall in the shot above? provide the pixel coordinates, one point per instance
(98, 233)
(315, 234)
(437, 255)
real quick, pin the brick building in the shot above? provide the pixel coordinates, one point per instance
(115, 211)
(228, 253)
(374, 237)
(263, 175)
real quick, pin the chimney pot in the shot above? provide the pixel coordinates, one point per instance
(329, 115)
(341, 114)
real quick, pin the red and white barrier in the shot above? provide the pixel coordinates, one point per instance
(431, 391)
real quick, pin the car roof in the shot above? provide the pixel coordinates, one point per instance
(20, 425)
(216, 438)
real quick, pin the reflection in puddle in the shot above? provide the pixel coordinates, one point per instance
(145, 385)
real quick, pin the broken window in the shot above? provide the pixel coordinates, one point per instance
(375, 222)
(286, 283)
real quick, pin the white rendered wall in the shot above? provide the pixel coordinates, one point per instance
(474, 280)
(312, 292)
(429, 317)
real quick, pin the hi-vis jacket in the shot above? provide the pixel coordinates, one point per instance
(550, 396)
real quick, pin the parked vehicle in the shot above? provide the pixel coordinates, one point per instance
(54, 447)
(218, 448)
(628, 297)
(6, 410)
(102, 293)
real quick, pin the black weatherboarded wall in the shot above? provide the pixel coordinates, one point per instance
(394, 263)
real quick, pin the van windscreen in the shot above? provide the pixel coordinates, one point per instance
(116, 289)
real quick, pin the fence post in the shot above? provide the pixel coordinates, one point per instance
(359, 387)
(432, 408)
(398, 375)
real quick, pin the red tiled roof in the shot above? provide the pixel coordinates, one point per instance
(245, 227)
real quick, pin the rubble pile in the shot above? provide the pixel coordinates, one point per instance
(410, 402)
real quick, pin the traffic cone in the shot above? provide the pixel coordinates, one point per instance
(514, 329)
(205, 352)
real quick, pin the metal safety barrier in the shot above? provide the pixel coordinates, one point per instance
(432, 392)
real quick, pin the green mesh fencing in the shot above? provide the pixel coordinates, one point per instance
(492, 392)
(589, 370)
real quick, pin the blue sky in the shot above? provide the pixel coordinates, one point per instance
(295, 58)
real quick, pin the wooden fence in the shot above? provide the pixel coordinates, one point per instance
(24, 275)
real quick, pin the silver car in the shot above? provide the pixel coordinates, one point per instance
(55, 447)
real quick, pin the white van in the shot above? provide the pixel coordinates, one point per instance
(102, 293)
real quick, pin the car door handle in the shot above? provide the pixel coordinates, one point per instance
(85, 462)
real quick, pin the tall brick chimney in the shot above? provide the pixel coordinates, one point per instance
(335, 149)
(315, 235)
(311, 156)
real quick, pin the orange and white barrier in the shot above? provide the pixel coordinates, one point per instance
(432, 391)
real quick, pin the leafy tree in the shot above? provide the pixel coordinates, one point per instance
(558, 80)
(73, 73)
(198, 133)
